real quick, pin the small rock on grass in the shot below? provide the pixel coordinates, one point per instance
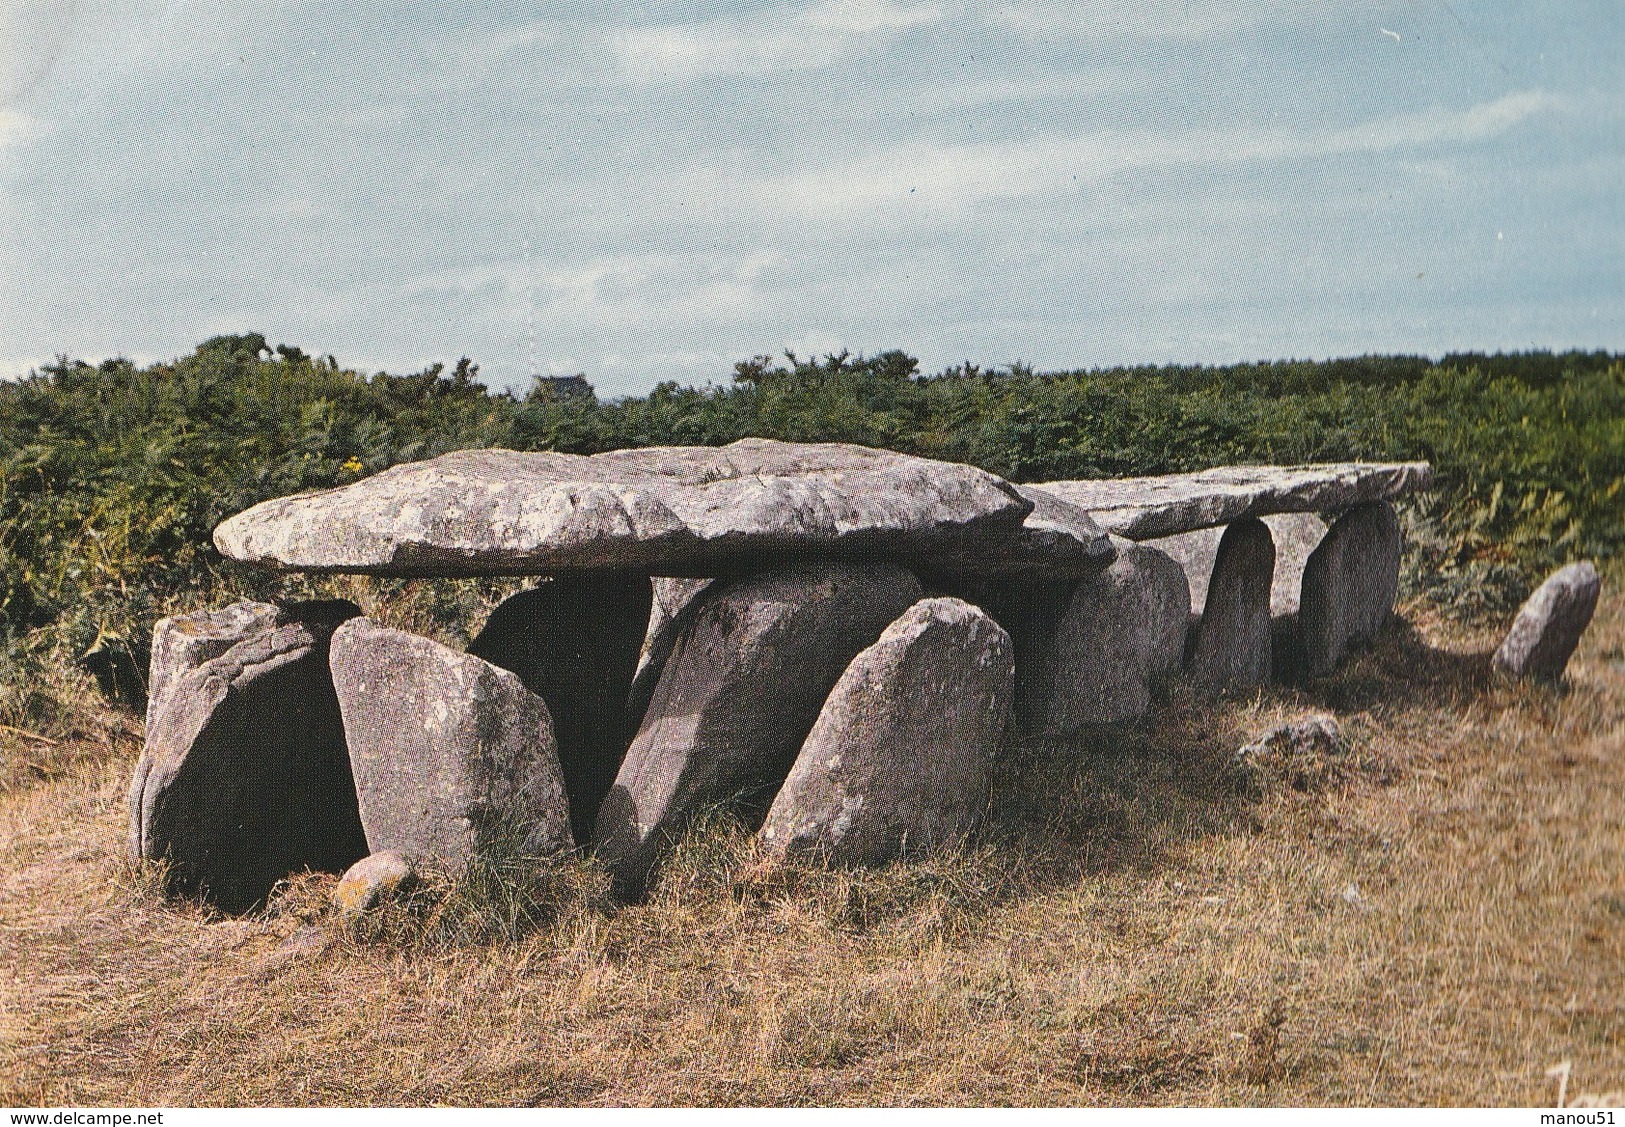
(1312, 734)
(371, 881)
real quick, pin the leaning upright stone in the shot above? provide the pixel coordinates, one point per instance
(1230, 644)
(245, 778)
(574, 642)
(899, 758)
(747, 675)
(671, 597)
(183, 642)
(1349, 586)
(1091, 652)
(453, 757)
(1549, 626)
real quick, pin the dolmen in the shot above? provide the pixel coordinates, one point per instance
(828, 642)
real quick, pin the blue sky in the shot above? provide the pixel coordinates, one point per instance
(653, 191)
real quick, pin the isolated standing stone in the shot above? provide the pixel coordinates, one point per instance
(1296, 535)
(747, 675)
(1349, 586)
(1549, 625)
(245, 778)
(1230, 643)
(452, 756)
(1090, 652)
(574, 642)
(899, 756)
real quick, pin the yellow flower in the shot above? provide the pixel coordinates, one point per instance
(352, 464)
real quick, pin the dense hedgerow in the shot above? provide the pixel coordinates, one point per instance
(113, 476)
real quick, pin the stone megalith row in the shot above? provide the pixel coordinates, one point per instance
(794, 670)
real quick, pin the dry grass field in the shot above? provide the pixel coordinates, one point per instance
(1434, 916)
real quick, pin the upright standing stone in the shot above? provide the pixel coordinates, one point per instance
(747, 675)
(1091, 652)
(900, 755)
(671, 597)
(1230, 644)
(453, 757)
(1296, 535)
(574, 642)
(1349, 587)
(245, 778)
(1549, 626)
(183, 642)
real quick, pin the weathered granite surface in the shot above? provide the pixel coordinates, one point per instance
(1229, 648)
(751, 667)
(452, 756)
(671, 596)
(1550, 624)
(1295, 535)
(1141, 508)
(679, 510)
(183, 642)
(1090, 652)
(899, 758)
(1349, 587)
(244, 778)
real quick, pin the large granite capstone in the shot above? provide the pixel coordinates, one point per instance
(677, 510)
(1142, 508)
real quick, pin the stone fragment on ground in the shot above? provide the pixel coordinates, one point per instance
(1296, 535)
(681, 510)
(1318, 734)
(1229, 648)
(1349, 587)
(1091, 652)
(574, 641)
(452, 756)
(748, 673)
(372, 881)
(899, 758)
(1142, 508)
(1550, 624)
(245, 778)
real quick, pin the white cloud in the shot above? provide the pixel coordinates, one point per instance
(927, 178)
(784, 39)
(1185, 20)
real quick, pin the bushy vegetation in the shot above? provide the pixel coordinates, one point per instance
(113, 476)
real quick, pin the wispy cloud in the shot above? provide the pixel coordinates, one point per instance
(811, 37)
(951, 178)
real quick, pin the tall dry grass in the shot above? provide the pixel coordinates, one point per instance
(1435, 915)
